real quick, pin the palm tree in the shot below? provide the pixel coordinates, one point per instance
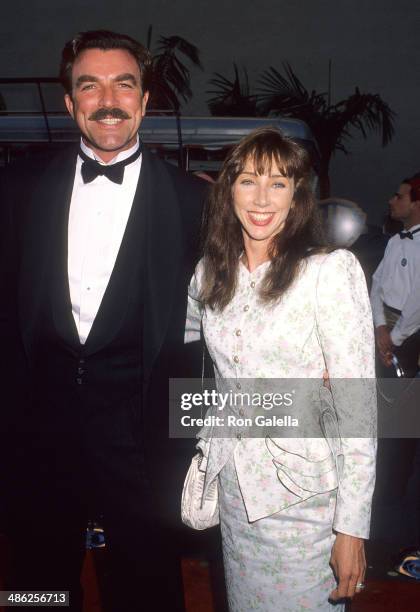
(331, 124)
(232, 98)
(170, 82)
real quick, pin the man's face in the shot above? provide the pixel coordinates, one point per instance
(401, 206)
(107, 100)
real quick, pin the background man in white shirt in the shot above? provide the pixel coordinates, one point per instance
(395, 298)
(99, 245)
(395, 293)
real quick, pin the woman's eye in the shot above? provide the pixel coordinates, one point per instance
(279, 185)
(247, 182)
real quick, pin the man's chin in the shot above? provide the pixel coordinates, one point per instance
(108, 146)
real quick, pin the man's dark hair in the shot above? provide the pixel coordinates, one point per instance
(105, 40)
(414, 182)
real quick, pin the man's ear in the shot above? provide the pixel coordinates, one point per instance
(145, 99)
(69, 104)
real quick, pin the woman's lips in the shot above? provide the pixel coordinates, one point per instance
(260, 219)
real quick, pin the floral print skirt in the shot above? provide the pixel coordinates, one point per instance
(279, 563)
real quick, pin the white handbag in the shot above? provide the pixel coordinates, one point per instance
(197, 511)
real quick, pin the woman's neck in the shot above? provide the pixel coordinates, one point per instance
(255, 253)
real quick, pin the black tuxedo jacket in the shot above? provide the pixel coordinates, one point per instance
(165, 218)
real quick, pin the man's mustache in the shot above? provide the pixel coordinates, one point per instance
(108, 113)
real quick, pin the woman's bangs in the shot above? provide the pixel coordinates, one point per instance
(264, 158)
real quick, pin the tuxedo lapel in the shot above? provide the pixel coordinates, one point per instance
(60, 288)
(164, 254)
(44, 278)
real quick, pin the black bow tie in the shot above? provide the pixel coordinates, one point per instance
(409, 234)
(114, 172)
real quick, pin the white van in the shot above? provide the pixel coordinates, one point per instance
(198, 144)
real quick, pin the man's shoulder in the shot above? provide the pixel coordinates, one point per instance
(393, 243)
(25, 171)
(179, 177)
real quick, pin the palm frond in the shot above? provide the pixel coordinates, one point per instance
(232, 97)
(286, 95)
(170, 45)
(274, 82)
(367, 113)
(170, 78)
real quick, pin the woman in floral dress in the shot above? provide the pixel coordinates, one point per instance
(275, 304)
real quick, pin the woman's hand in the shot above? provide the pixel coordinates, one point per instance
(349, 564)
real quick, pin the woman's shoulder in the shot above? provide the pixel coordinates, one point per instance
(333, 258)
(336, 272)
(331, 268)
(199, 271)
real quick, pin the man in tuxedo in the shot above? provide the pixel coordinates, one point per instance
(98, 247)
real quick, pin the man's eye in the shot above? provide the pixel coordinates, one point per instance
(124, 85)
(87, 86)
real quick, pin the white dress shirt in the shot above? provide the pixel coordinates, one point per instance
(396, 283)
(98, 217)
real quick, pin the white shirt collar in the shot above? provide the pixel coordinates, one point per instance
(412, 228)
(119, 157)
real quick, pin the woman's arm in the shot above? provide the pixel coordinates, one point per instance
(346, 332)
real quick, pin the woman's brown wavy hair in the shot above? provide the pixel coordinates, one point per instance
(223, 243)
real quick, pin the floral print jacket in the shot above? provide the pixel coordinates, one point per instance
(323, 322)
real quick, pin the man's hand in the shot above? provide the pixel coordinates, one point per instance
(349, 564)
(384, 342)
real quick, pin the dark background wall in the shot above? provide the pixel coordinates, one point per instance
(373, 44)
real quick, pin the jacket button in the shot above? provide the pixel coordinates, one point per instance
(236, 359)
(239, 436)
(238, 332)
(79, 380)
(246, 308)
(253, 285)
(80, 371)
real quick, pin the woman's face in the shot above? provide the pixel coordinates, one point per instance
(262, 203)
